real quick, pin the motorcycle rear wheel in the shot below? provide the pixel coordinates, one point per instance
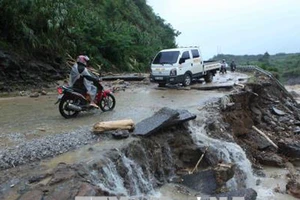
(107, 103)
(64, 111)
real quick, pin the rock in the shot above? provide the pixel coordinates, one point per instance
(203, 181)
(267, 119)
(293, 188)
(278, 112)
(176, 179)
(62, 174)
(294, 94)
(255, 110)
(279, 129)
(223, 173)
(284, 119)
(297, 123)
(86, 190)
(258, 140)
(38, 178)
(270, 159)
(211, 180)
(296, 130)
(64, 190)
(22, 93)
(120, 134)
(289, 147)
(34, 95)
(43, 92)
(34, 194)
(259, 172)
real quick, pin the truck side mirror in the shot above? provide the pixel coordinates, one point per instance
(181, 60)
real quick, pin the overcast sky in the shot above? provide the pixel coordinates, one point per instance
(234, 26)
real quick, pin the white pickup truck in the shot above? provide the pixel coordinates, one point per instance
(181, 65)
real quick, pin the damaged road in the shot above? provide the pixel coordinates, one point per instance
(165, 147)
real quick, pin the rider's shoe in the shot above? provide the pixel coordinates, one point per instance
(94, 105)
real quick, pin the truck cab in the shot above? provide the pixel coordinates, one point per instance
(180, 65)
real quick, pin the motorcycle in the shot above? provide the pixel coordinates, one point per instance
(73, 100)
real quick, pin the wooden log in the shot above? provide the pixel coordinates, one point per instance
(126, 124)
(265, 136)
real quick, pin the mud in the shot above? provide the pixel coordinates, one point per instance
(140, 165)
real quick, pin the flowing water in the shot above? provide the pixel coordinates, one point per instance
(226, 152)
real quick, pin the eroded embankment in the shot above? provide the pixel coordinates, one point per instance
(137, 167)
(265, 121)
(264, 106)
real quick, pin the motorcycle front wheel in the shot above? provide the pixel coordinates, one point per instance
(107, 103)
(63, 107)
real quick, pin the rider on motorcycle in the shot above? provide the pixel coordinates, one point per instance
(82, 78)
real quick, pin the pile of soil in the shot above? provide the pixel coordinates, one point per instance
(265, 106)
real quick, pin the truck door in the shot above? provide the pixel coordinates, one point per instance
(187, 64)
(197, 65)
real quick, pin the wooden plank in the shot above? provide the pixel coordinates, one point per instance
(265, 136)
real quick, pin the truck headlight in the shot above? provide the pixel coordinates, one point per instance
(173, 72)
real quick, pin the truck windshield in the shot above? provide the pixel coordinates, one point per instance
(169, 57)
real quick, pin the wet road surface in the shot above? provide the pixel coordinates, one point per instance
(26, 118)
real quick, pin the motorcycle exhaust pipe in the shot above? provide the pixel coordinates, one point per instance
(74, 107)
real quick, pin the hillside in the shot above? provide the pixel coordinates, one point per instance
(122, 35)
(285, 66)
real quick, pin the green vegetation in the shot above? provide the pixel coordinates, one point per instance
(121, 35)
(284, 66)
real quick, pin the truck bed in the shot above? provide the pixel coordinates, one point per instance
(211, 65)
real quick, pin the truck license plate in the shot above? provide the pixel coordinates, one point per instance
(159, 78)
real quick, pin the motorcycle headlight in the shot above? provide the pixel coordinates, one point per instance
(173, 72)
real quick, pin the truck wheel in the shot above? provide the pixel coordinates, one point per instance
(208, 77)
(162, 85)
(187, 80)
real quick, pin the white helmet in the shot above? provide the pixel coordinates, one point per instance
(83, 59)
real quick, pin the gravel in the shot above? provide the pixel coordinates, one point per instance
(49, 146)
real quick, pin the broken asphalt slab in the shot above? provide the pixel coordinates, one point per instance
(163, 118)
